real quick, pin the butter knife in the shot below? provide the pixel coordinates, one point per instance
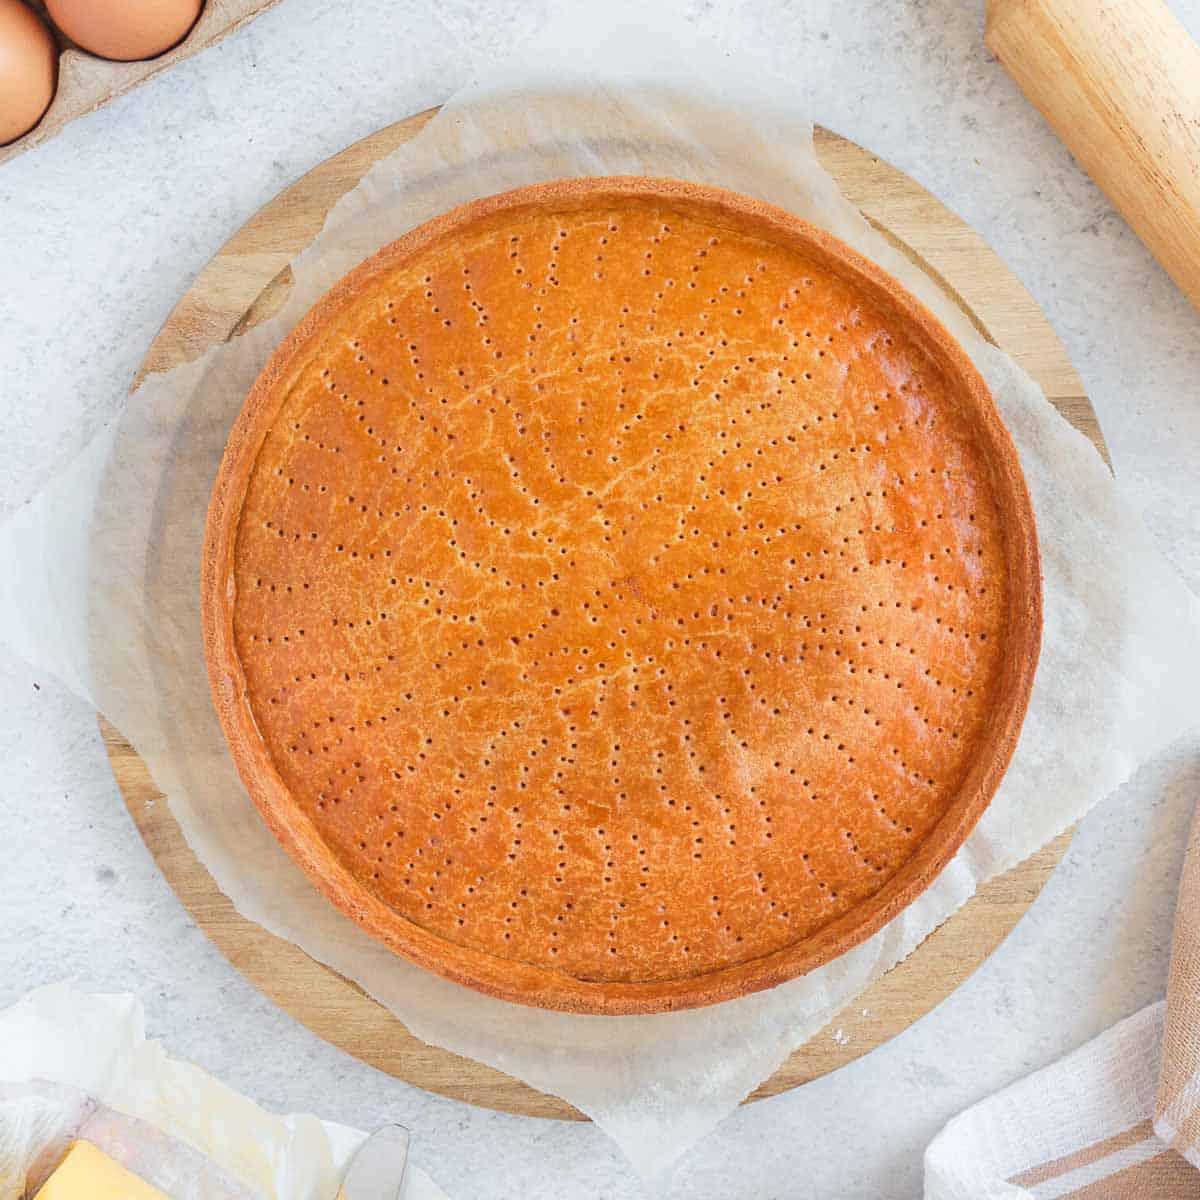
(377, 1171)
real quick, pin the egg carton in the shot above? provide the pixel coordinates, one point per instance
(86, 82)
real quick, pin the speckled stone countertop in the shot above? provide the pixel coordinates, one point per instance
(102, 228)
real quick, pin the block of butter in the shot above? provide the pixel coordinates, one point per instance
(89, 1174)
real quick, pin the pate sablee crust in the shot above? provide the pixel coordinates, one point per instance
(620, 596)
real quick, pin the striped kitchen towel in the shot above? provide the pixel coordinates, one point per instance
(1119, 1119)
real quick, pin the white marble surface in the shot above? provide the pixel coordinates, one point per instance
(101, 230)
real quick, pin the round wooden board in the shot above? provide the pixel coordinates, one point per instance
(243, 284)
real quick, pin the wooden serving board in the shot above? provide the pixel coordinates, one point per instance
(244, 283)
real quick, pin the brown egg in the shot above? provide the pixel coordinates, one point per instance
(28, 69)
(125, 29)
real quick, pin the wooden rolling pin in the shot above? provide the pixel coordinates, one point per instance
(1119, 82)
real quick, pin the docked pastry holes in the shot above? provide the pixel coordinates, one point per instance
(619, 593)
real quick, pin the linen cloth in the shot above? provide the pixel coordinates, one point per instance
(1119, 1119)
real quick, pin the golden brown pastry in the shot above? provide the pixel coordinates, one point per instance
(620, 596)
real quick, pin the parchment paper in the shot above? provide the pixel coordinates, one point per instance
(101, 578)
(96, 1046)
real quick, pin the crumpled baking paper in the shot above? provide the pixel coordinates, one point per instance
(81, 1054)
(101, 582)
